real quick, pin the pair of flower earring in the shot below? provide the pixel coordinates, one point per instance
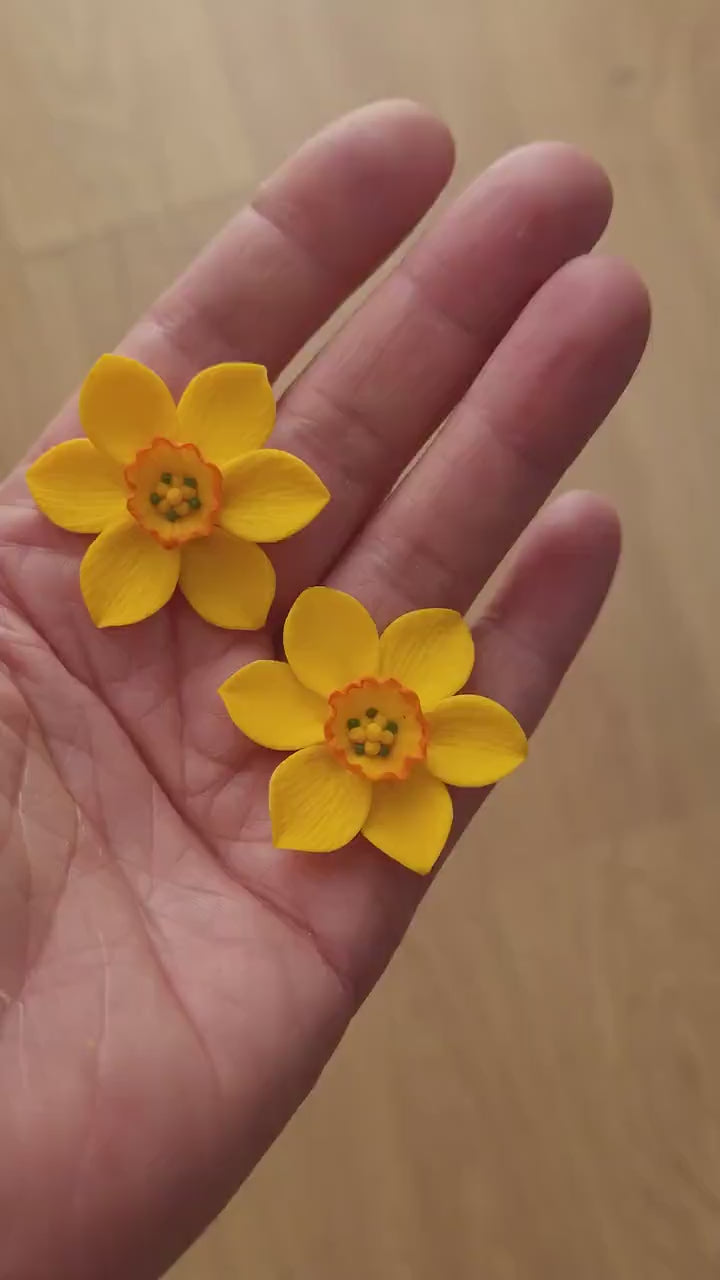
(180, 495)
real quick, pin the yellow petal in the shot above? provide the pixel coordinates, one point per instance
(473, 741)
(430, 651)
(227, 410)
(270, 705)
(330, 639)
(123, 406)
(269, 495)
(125, 575)
(77, 487)
(315, 804)
(410, 821)
(229, 582)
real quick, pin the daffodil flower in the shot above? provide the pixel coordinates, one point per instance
(177, 493)
(375, 729)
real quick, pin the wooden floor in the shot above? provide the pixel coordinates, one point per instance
(534, 1091)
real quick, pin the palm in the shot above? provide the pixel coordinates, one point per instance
(151, 948)
(170, 984)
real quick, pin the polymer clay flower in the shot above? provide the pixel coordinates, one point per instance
(177, 493)
(375, 729)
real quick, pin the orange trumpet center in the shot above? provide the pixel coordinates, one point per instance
(174, 493)
(376, 728)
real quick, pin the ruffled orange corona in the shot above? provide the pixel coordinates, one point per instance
(376, 727)
(174, 493)
(177, 493)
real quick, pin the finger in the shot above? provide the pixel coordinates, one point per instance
(548, 387)
(312, 234)
(371, 399)
(534, 625)
(540, 616)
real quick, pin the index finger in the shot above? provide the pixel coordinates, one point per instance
(314, 231)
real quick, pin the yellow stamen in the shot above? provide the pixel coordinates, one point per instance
(174, 496)
(373, 733)
(372, 748)
(387, 738)
(357, 735)
(163, 506)
(183, 508)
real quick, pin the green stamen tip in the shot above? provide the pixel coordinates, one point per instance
(166, 477)
(155, 498)
(171, 515)
(353, 724)
(391, 726)
(359, 748)
(384, 750)
(371, 713)
(194, 503)
(190, 481)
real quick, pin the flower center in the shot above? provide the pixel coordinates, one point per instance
(376, 728)
(174, 493)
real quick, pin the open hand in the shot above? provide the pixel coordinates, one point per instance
(170, 984)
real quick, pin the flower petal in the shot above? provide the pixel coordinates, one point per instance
(410, 821)
(125, 575)
(229, 582)
(473, 741)
(123, 406)
(430, 651)
(269, 704)
(315, 804)
(330, 639)
(268, 495)
(77, 487)
(227, 410)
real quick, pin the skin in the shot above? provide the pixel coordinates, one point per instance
(171, 985)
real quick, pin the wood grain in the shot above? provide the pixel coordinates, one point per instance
(534, 1090)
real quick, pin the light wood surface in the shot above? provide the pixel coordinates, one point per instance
(534, 1090)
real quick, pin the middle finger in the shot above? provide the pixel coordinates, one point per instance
(380, 388)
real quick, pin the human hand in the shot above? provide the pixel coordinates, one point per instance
(171, 985)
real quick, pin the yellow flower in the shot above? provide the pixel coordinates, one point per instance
(374, 728)
(177, 493)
